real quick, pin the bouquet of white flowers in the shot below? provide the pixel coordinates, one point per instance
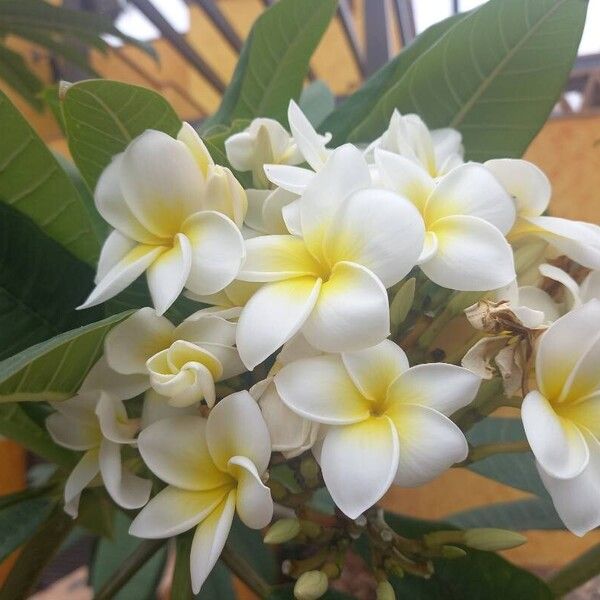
(326, 310)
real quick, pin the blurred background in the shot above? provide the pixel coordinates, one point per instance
(196, 44)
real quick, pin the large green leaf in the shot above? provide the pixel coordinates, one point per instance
(477, 576)
(344, 119)
(41, 283)
(15, 72)
(102, 117)
(109, 556)
(32, 182)
(274, 60)
(249, 544)
(495, 76)
(317, 102)
(54, 369)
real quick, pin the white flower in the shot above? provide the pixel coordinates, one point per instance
(236, 294)
(290, 433)
(265, 208)
(97, 424)
(562, 417)
(330, 282)
(466, 214)
(388, 422)
(155, 197)
(181, 363)
(531, 192)
(438, 151)
(213, 467)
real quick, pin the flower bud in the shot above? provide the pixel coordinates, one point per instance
(453, 552)
(491, 539)
(402, 302)
(225, 194)
(311, 585)
(282, 531)
(385, 591)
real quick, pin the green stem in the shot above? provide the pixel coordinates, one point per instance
(132, 564)
(242, 569)
(485, 450)
(576, 573)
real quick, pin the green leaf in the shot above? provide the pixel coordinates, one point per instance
(15, 72)
(36, 555)
(16, 425)
(317, 102)
(495, 76)
(274, 60)
(54, 370)
(97, 512)
(102, 117)
(111, 554)
(477, 576)
(20, 520)
(218, 585)
(517, 470)
(32, 182)
(342, 121)
(249, 544)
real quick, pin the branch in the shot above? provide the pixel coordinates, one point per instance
(240, 567)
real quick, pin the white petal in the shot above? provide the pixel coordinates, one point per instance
(310, 143)
(374, 369)
(210, 327)
(563, 345)
(359, 463)
(440, 386)
(291, 216)
(405, 177)
(175, 450)
(126, 489)
(277, 257)
(472, 190)
(188, 135)
(590, 288)
(113, 420)
(565, 279)
(321, 390)
(122, 387)
(116, 246)
(584, 380)
(379, 230)
(272, 210)
(124, 273)
(430, 443)
(236, 428)
(169, 272)
(81, 476)
(577, 500)
(72, 433)
(173, 511)
(157, 407)
(538, 301)
(447, 146)
(131, 343)
(525, 182)
(217, 251)
(273, 315)
(253, 502)
(111, 205)
(292, 179)
(239, 150)
(351, 312)
(209, 540)
(472, 255)
(161, 182)
(557, 444)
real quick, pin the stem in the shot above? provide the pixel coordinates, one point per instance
(132, 564)
(576, 573)
(485, 450)
(242, 569)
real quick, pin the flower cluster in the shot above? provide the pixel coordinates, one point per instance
(294, 353)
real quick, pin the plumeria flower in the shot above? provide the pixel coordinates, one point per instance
(291, 434)
(388, 423)
(96, 423)
(265, 212)
(181, 363)
(466, 214)
(235, 295)
(531, 192)
(330, 282)
(155, 196)
(438, 151)
(213, 468)
(561, 416)
(312, 148)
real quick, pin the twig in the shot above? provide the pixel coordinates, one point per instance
(240, 567)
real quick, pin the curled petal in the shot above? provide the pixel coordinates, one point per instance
(81, 476)
(253, 502)
(310, 143)
(114, 423)
(291, 179)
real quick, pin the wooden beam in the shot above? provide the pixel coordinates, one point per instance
(213, 12)
(349, 26)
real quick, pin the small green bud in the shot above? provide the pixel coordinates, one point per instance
(488, 538)
(282, 531)
(311, 585)
(385, 591)
(310, 528)
(402, 302)
(453, 552)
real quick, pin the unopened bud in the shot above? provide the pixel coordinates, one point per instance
(310, 528)
(331, 570)
(387, 535)
(309, 469)
(453, 552)
(282, 531)
(360, 521)
(402, 302)
(286, 567)
(311, 585)
(488, 538)
(385, 591)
